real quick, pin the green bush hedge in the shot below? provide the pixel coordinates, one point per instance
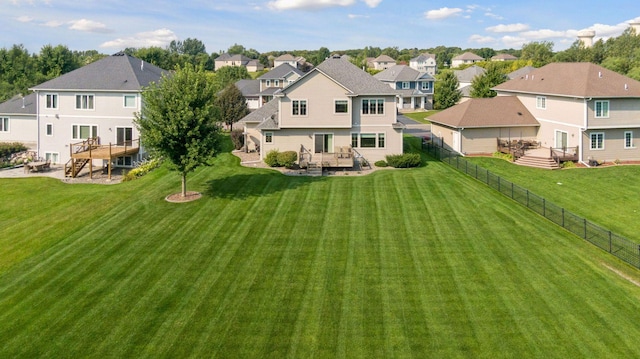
(142, 170)
(7, 149)
(287, 158)
(271, 159)
(381, 163)
(404, 161)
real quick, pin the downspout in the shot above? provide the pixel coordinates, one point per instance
(584, 128)
(38, 122)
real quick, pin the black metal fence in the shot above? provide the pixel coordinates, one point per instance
(619, 246)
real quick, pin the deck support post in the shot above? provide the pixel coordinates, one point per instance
(110, 162)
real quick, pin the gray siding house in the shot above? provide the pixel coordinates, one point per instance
(414, 88)
(18, 121)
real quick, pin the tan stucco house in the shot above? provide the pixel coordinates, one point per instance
(582, 106)
(333, 116)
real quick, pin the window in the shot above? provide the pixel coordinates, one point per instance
(541, 102)
(628, 139)
(124, 136)
(405, 85)
(373, 106)
(368, 140)
(341, 106)
(597, 141)
(84, 102)
(268, 84)
(52, 156)
(124, 161)
(268, 137)
(299, 107)
(276, 83)
(425, 85)
(4, 124)
(82, 132)
(602, 109)
(52, 100)
(49, 129)
(129, 101)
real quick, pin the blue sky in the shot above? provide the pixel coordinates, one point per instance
(267, 25)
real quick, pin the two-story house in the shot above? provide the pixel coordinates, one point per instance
(260, 91)
(465, 79)
(87, 116)
(383, 62)
(414, 88)
(582, 106)
(465, 59)
(424, 63)
(332, 116)
(18, 121)
(285, 59)
(231, 60)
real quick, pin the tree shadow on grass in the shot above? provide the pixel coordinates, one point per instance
(246, 185)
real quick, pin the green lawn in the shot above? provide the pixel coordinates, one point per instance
(420, 115)
(402, 263)
(607, 196)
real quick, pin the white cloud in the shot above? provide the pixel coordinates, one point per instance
(508, 28)
(159, 38)
(355, 16)
(53, 23)
(310, 4)
(514, 41)
(481, 39)
(543, 34)
(25, 19)
(88, 26)
(492, 15)
(442, 13)
(372, 3)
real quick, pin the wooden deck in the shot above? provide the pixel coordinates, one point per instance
(86, 151)
(106, 152)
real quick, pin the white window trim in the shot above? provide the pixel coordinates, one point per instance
(84, 124)
(541, 102)
(595, 108)
(374, 99)
(625, 140)
(115, 135)
(267, 135)
(46, 129)
(57, 154)
(57, 100)
(267, 83)
(591, 141)
(406, 85)
(377, 140)
(2, 126)
(341, 113)
(276, 83)
(75, 98)
(124, 101)
(306, 107)
(425, 85)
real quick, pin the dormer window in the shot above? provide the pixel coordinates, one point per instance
(276, 83)
(268, 83)
(425, 86)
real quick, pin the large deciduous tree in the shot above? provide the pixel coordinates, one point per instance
(446, 93)
(481, 85)
(232, 104)
(179, 120)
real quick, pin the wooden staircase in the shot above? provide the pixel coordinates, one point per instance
(537, 162)
(314, 169)
(74, 166)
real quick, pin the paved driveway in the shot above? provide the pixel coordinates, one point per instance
(414, 128)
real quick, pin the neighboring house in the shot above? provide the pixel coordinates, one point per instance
(424, 63)
(285, 59)
(260, 91)
(582, 106)
(521, 72)
(415, 88)
(330, 117)
(383, 62)
(503, 57)
(93, 107)
(231, 60)
(465, 79)
(254, 66)
(465, 59)
(18, 121)
(473, 127)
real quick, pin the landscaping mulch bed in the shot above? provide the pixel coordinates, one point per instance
(178, 198)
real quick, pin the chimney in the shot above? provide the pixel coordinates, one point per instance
(586, 37)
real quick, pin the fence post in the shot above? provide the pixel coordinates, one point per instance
(563, 217)
(476, 171)
(487, 176)
(512, 190)
(499, 185)
(527, 198)
(585, 228)
(609, 241)
(544, 208)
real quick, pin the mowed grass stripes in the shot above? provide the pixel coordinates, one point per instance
(401, 263)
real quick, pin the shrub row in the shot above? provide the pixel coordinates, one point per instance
(404, 161)
(142, 170)
(285, 159)
(7, 149)
(237, 137)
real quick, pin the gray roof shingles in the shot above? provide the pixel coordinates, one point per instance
(500, 111)
(119, 72)
(280, 72)
(402, 73)
(19, 105)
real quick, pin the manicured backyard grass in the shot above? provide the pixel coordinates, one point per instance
(420, 115)
(607, 196)
(402, 263)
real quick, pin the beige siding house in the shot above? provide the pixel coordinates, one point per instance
(95, 103)
(474, 126)
(584, 107)
(465, 59)
(334, 112)
(18, 121)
